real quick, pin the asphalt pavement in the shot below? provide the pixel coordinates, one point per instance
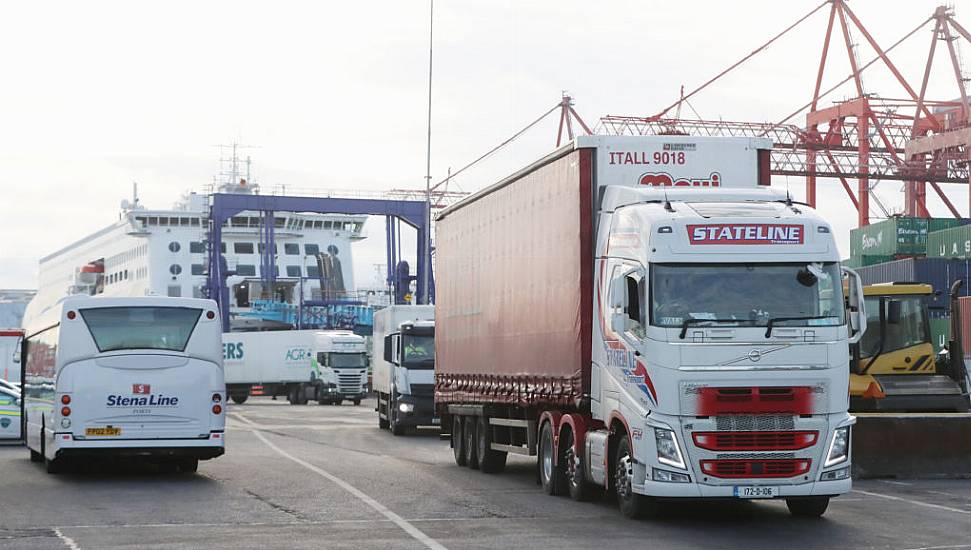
(325, 477)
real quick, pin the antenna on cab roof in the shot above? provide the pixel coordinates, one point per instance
(667, 203)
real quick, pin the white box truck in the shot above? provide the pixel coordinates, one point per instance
(282, 362)
(404, 367)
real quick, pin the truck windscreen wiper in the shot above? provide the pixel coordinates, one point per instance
(768, 327)
(694, 321)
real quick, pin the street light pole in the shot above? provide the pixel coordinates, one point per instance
(427, 244)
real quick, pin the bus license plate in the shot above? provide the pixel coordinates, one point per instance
(756, 492)
(103, 432)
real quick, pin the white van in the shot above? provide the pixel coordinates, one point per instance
(136, 377)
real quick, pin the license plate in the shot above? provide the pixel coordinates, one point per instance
(756, 492)
(103, 432)
(436, 421)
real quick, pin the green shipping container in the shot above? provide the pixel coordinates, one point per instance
(940, 333)
(950, 243)
(890, 237)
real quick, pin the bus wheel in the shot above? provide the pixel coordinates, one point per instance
(458, 442)
(35, 456)
(189, 465)
(55, 466)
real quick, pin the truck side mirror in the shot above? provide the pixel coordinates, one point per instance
(893, 312)
(387, 348)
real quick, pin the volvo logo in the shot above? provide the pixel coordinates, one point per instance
(755, 355)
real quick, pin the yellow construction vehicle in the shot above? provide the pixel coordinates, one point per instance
(893, 367)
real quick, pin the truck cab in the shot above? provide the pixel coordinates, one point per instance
(345, 353)
(410, 351)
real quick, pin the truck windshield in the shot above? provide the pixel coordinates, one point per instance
(163, 328)
(419, 350)
(346, 360)
(746, 294)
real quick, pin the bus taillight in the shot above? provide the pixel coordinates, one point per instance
(217, 409)
(65, 400)
(65, 411)
(216, 398)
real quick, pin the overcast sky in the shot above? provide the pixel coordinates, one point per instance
(98, 95)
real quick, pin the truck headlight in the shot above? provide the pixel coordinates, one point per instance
(839, 448)
(406, 407)
(668, 451)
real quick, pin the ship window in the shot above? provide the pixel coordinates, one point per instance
(260, 247)
(319, 224)
(125, 274)
(311, 249)
(198, 269)
(175, 291)
(243, 248)
(279, 222)
(163, 221)
(141, 220)
(183, 221)
(291, 249)
(195, 222)
(293, 271)
(222, 247)
(174, 246)
(197, 247)
(152, 221)
(175, 269)
(240, 221)
(173, 221)
(328, 224)
(246, 270)
(313, 271)
(254, 222)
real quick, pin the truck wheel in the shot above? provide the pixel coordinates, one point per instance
(813, 507)
(396, 427)
(357, 401)
(469, 442)
(550, 475)
(573, 469)
(239, 398)
(382, 422)
(338, 402)
(458, 441)
(189, 465)
(490, 461)
(292, 396)
(632, 505)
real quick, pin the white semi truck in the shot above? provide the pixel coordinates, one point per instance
(650, 318)
(346, 354)
(404, 367)
(281, 362)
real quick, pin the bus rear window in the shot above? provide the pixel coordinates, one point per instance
(121, 328)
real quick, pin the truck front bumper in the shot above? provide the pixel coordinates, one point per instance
(698, 490)
(421, 413)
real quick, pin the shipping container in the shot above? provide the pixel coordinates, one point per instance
(950, 243)
(889, 237)
(940, 333)
(937, 272)
(862, 261)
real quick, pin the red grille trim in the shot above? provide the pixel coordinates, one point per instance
(735, 468)
(763, 400)
(755, 441)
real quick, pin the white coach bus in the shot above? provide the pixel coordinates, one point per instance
(140, 377)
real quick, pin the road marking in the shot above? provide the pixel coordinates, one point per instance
(415, 533)
(947, 547)
(895, 482)
(68, 541)
(914, 502)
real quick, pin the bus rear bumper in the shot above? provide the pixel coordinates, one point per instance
(201, 448)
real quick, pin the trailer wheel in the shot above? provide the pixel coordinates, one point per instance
(632, 505)
(813, 507)
(458, 441)
(469, 442)
(490, 461)
(239, 398)
(574, 469)
(550, 475)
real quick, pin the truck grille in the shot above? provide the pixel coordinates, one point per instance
(350, 383)
(765, 468)
(422, 390)
(764, 400)
(755, 441)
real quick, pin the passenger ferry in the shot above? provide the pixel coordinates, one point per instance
(164, 253)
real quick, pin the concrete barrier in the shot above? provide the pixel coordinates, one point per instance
(928, 445)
